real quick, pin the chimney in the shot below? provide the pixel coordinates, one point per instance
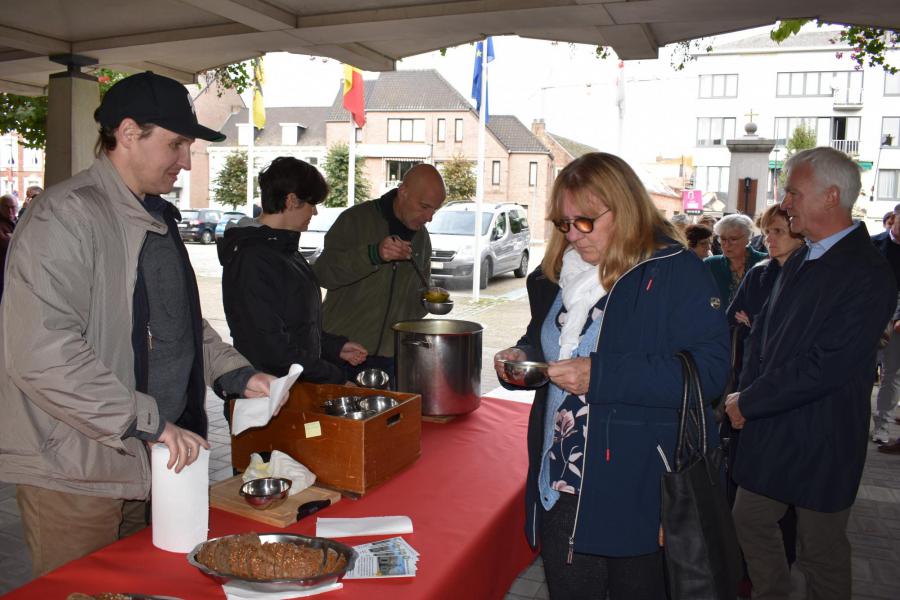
(538, 128)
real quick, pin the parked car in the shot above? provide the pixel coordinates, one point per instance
(224, 220)
(199, 225)
(504, 241)
(313, 239)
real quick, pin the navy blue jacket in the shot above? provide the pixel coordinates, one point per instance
(664, 304)
(807, 378)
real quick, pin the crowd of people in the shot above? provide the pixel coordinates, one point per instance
(105, 350)
(785, 344)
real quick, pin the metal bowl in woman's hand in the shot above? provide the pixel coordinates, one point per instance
(524, 373)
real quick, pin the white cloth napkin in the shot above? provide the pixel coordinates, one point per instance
(348, 527)
(255, 412)
(581, 289)
(280, 465)
(234, 591)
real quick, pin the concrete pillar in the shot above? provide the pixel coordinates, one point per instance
(749, 159)
(71, 130)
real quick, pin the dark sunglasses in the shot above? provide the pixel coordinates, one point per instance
(582, 224)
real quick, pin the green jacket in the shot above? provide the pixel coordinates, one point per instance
(365, 296)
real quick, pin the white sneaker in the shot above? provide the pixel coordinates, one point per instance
(880, 435)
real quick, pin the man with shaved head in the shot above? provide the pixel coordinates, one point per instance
(365, 265)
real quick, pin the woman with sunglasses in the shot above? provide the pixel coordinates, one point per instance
(615, 298)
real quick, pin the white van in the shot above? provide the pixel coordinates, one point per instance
(313, 239)
(504, 241)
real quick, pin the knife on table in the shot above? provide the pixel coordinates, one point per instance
(314, 506)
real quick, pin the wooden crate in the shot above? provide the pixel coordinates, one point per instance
(347, 455)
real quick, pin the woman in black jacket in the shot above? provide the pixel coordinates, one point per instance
(272, 299)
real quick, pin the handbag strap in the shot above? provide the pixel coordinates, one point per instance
(692, 436)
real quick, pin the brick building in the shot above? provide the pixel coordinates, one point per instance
(411, 117)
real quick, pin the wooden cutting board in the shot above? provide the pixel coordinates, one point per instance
(225, 495)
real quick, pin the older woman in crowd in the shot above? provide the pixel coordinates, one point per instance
(737, 257)
(615, 298)
(699, 239)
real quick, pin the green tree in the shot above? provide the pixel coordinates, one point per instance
(231, 182)
(869, 44)
(337, 162)
(459, 178)
(802, 138)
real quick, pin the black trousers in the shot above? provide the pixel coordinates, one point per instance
(592, 577)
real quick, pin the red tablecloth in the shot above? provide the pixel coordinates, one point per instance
(464, 496)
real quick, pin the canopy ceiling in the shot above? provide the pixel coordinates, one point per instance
(180, 38)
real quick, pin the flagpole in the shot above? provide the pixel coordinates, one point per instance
(479, 186)
(249, 207)
(351, 164)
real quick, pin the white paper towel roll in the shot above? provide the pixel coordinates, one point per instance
(180, 501)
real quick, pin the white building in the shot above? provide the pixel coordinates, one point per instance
(799, 81)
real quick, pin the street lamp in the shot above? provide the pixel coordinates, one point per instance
(886, 140)
(775, 177)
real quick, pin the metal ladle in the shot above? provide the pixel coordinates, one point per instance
(412, 259)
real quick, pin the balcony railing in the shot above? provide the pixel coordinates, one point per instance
(849, 147)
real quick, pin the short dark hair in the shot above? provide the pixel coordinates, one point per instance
(696, 234)
(106, 140)
(286, 175)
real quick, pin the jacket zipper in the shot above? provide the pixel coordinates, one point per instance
(587, 425)
(149, 338)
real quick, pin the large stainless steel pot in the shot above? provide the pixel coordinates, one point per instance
(441, 360)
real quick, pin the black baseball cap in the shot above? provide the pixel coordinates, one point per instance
(151, 98)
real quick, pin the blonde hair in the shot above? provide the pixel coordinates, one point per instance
(638, 224)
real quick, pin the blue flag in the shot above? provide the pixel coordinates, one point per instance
(476, 76)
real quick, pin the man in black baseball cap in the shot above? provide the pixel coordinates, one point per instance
(106, 350)
(151, 98)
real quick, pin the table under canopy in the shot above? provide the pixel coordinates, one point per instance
(464, 495)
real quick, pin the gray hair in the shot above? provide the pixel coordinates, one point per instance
(830, 167)
(738, 221)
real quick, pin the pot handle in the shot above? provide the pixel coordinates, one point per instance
(415, 342)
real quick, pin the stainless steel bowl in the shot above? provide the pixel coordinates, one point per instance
(524, 373)
(373, 378)
(267, 492)
(438, 308)
(282, 585)
(342, 405)
(377, 404)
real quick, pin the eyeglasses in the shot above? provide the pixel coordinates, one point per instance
(582, 224)
(733, 240)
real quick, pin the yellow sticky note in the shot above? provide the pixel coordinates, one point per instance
(313, 429)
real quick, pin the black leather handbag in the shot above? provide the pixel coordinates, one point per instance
(701, 549)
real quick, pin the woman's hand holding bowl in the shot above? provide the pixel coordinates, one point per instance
(572, 374)
(508, 354)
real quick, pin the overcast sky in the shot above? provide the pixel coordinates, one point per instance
(565, 84)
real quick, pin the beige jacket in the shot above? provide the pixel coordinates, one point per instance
(67, 386)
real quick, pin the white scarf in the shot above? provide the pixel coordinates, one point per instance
(581, 289)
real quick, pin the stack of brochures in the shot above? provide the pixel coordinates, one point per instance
(392, 557)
